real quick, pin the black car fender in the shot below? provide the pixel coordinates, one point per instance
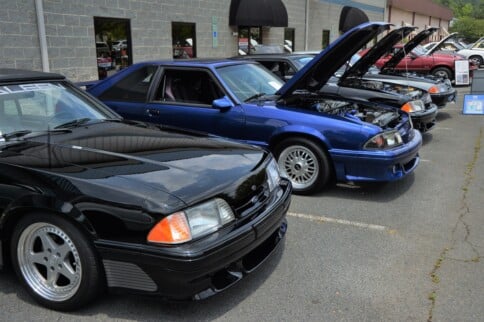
(36, 202)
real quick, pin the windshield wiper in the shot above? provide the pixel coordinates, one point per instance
(22, 133)
(255, 96)
(73, 123)
(16, 134)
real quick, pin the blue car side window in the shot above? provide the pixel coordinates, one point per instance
(133, 88)
(188, 87)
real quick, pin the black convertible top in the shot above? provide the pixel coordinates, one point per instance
(8, 75)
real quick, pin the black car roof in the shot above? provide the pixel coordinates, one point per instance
(11, 75)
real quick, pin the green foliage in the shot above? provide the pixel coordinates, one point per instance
(469, 28)
(468, 17)
(464, 8)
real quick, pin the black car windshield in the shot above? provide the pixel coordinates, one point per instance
(249, 80)
(302, 60)
(42, 106)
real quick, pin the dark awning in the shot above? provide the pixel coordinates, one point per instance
(351, 17)
(270, 13)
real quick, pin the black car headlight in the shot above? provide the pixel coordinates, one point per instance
(273, 175)
(383, 141)
(192, 223)
(413, 106)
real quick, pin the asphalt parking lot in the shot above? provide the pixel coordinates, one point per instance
(411, 250)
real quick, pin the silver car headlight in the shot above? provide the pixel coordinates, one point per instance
(413, 106)
(192, 223)
(384, 141)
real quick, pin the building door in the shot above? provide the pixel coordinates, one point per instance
(249, 38)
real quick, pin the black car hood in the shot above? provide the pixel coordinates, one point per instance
(440, 43)
(315, 74)
(362, 66)
(407, 48)
(164, 167)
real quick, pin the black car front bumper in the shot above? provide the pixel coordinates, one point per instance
(441, 99)
(425, 120)
(199, 270)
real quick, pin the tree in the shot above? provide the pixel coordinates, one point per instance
(469, 28)
(469, 17)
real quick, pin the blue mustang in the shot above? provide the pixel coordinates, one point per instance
(317, 139)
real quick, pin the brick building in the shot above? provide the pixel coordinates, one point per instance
(69, 36)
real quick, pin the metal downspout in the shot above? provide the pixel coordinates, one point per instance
(306, 36)
(44, 54)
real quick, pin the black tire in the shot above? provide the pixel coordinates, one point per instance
(55, 262)
(477, 60)
(443, 72)
(304, 163)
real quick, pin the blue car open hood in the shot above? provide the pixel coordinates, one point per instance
(362, 66)
(408, 47)
(319, 70)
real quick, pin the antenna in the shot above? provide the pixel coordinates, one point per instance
(406, 62)
(49, 148)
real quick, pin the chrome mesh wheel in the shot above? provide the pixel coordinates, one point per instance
(300, 165)
(49, 262)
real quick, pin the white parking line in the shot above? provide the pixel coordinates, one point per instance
(337, 221)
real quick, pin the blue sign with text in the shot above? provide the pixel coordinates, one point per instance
(473, 104)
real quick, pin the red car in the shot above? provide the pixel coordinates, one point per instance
(421, 61)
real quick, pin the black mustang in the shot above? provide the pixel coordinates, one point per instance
(90, 201)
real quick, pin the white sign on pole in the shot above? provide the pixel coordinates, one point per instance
(461, 72)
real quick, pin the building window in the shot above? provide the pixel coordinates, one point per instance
(325, 41)
(249, 39)
(184, 41)
(289, 39)
(113, 44)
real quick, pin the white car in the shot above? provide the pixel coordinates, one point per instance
(475, 52)
(120, 44)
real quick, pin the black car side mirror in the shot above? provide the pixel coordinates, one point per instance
(223, 104)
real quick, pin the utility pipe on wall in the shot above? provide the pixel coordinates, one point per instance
(44, 54)
(306, 36)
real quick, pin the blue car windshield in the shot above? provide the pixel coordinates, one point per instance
(249, 80)
(41, 106)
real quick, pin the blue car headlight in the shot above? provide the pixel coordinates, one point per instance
(384, 141)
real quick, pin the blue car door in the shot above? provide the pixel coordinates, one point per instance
(128, 95)
(184, 98)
